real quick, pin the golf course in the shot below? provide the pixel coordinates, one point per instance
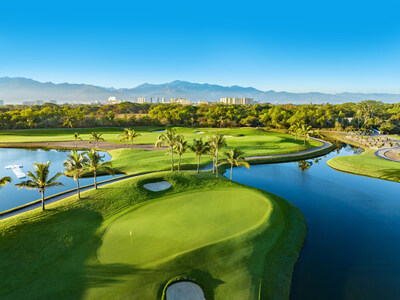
(125, 241)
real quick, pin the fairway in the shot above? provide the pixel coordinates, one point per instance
(171, 226)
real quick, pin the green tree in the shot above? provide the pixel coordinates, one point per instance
(76, 138)
(125, 136)
(169, 139)
(95, 137)
(40, 179)
(216, 142)
(75, 165)
(305, 131)
(181, 146)
(199, 148)
(235, 159)
(131, 135)
(94, 164)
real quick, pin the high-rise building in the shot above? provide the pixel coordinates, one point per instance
(234, 100)
(141, 100)
(113, 100)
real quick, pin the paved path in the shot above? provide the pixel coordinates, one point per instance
(384, 153)
(91, 186)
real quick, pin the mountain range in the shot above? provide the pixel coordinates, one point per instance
(15, 90)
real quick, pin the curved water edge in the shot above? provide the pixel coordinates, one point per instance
(353, 227)
(12, 197)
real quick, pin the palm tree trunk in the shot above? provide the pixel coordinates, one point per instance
(213, 168)
(95, 180)
(231, 170)
(198, 164)
(42, 200)
(179, 163)
(172, 158)
(77, 183)
(216, 164)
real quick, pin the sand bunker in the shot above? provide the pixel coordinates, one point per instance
(159, 130)
(198, 132)
(228, 136)
(185, 290)
(157, 186)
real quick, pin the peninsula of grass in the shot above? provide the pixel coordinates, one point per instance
(367, 164)
(123, 241)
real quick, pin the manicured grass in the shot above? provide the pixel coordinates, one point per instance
(54, 254)
(367, 164)
(181, 226)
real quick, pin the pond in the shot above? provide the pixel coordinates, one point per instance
(11, 196)
(352, 247)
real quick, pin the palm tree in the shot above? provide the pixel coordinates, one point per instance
(94, 165)
(5, 180)
(39, 179)
(305, 131)
(216, 142)
(76, 138)
(169, 139)
(132, 135)
(96, 137)
(235, 158)
(181, 146)
(199, 148)
(76, 164)
(125, 136)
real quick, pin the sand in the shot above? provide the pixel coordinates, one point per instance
(185, 290)
(157, 186)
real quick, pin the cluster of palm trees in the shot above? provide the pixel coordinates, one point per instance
(301, 129)
(76, 165)
(177, 144)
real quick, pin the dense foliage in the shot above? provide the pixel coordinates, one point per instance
(366, 114)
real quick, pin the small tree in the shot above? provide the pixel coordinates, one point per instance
(235, 158)
(76, 138)
(131, 135)
(181, 146)
(5, 180)
(76, 164)
(94, 164)
(96, 137)
(199, 148)
(40, 179)
(169, 139)
(216, 142)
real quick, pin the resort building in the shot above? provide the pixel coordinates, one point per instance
(234, 100)
(180, 101)
(113, 100)
(202, 102)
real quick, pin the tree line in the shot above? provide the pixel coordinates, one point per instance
(348, 116)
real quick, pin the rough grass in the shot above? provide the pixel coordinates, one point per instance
(53, 255)
(367, 164)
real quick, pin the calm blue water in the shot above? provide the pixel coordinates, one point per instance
(10, 196)
(352, 248)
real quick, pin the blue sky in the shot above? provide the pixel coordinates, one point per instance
(296, 46)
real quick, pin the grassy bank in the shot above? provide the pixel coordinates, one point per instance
(238, 260)
(365, 164)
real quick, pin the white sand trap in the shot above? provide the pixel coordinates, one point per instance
(157, 186)
(198, 132)
(228, 136)
(185, 290)
(158, 131)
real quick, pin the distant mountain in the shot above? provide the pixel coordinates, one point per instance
(18, 89)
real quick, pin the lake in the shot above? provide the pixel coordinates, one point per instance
(352, 247)
(11, 196)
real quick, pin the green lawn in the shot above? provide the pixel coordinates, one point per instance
(367, 164)
(236, 242)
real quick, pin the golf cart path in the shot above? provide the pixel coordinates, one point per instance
(56, 198)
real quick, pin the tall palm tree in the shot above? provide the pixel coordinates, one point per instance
(76, 138)
(235, 158)
(40, 179)
(125, 136)
(96, 137)
(94, 164)
(5, 180)
(199, 148)
(216, 142)
(76, 164)
(181, 146)
(169, 139)
(305, 131)
(132, 135)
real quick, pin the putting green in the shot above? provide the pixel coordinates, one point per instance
(170, 226)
